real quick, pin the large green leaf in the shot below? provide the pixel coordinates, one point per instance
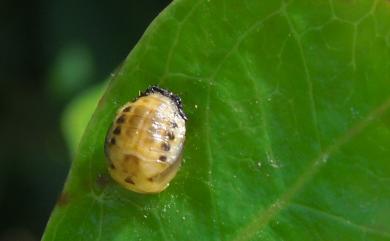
(288, 132)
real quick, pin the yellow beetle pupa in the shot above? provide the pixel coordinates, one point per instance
(145, 142)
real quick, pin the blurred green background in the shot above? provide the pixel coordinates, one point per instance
(54, 58)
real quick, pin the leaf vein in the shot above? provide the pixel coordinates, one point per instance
(339, 219)
(176, 39)
(307, 73)
(261, 219)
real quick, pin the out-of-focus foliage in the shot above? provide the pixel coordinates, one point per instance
(71, 71)
(78, 113)
(288, 132)
(51, 51)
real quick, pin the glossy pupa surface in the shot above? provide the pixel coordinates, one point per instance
(145, 142)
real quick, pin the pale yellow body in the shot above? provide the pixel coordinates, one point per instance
(145, 143)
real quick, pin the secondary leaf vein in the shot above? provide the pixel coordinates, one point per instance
(262, 218)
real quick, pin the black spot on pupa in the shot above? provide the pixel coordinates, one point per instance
(127, 109)
(171, 136)
(165, 146)
(174, 124)
(112, 141)
(117, 130)
(121, 119)
(163, 158)
(112, 166)
(176, 99)
(129, 180)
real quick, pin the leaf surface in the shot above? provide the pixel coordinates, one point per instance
(288, 133)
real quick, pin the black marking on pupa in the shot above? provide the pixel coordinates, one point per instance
(176, 99)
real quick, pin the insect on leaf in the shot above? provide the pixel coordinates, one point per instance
(288, 127)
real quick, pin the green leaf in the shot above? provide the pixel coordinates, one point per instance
(288, 133)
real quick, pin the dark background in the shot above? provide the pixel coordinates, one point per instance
(49, 52)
